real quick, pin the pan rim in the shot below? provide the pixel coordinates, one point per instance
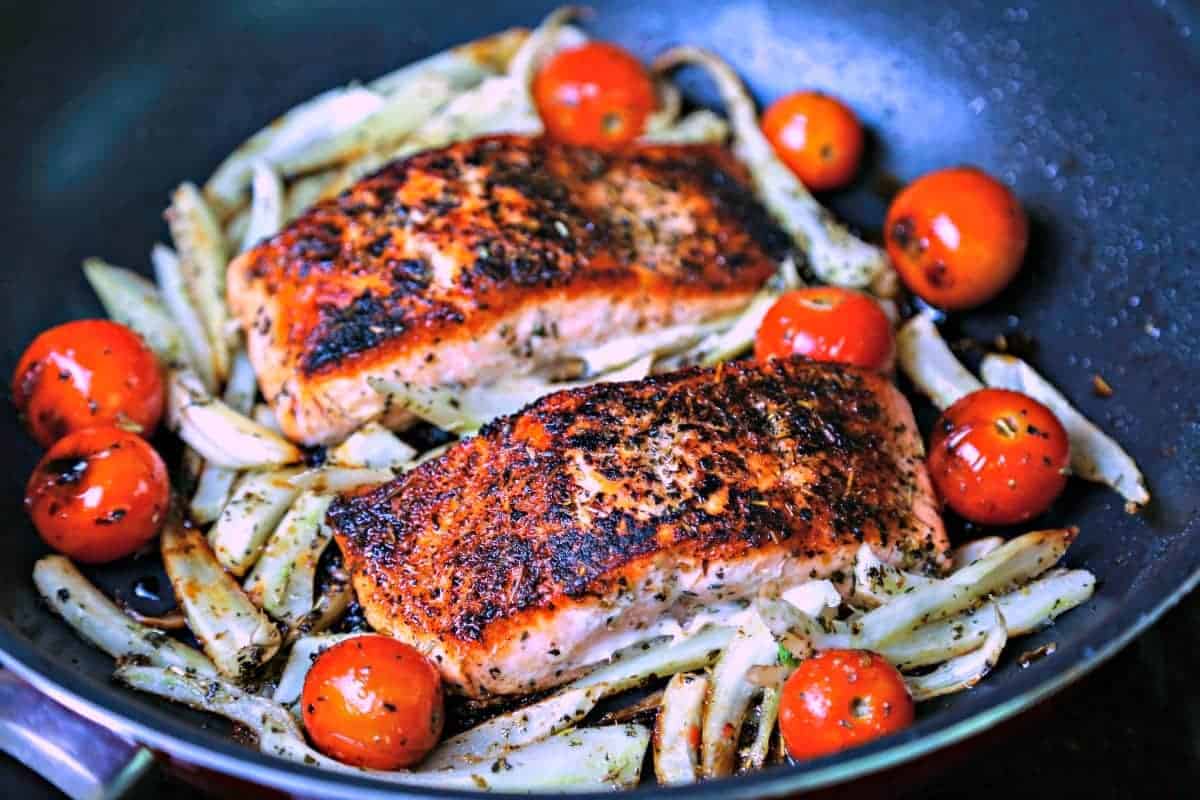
(20, 656)
(183, 740)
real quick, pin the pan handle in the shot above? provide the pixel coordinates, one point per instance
(81, 757)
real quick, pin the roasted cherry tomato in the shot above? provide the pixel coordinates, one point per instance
(827, 324)
(818, 137)
(374, 702)
(86, 373)
(998, 457)
(956, 236)
(99, 494)
(841, 699)
(596, 95)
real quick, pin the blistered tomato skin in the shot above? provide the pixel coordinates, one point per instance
(827, 323)
(373, 702)
(841, 699)
(99, 494)
(957, 237)
(998, 457)
(596, 95)
(817, 137)
(87, 373)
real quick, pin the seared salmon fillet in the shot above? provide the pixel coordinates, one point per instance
(598, 517)
(494, 257)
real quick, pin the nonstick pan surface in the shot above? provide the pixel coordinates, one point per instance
(1089, 109)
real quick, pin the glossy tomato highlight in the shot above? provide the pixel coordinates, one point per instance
(826, 323)
(998, 457)
(99, 494)
(817, 136)
(87, 373)
(373, 701)
(841, 699)
(596, 95)
(957, 237)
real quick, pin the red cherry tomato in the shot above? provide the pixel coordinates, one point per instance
(818, 137)
(956, 236)
(99, 494)
(827, 324)
(86, 373)
(374, 702)
(841, 699)
(998, 457)
(597, 95)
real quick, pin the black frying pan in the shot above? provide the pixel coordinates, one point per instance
(1088, 108)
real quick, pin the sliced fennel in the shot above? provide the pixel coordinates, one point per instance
(216, 482)
(730, 695)
(641, 665)
(1024, 609)
(835, 255)
(755, 756)
(223, 436)
(963, 672)
(97, 619)
(263, 415)
(624, 350)
(212, 493)
(210, 694)
(135, 302)
(926, 359)
(306, 126)
(169, 275)
(467, 410)
(200, 243)
(670, 104)
(373, 447)
(608, 757)
(524, 726)
(266, 206)
(304, 192)
(876, 582)
(941, 641)
(334, 479)
(698, 127)
(337, 124)
(1017, 561)
(969, 552)
(499, 104)
(1036, 604)
(462, 66)
(676, 731)
(738, 335)
(300, 659)
(282, 579)
(813, 597)
(234, 633)
(258, 501)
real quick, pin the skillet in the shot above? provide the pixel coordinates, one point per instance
(1087, 108)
